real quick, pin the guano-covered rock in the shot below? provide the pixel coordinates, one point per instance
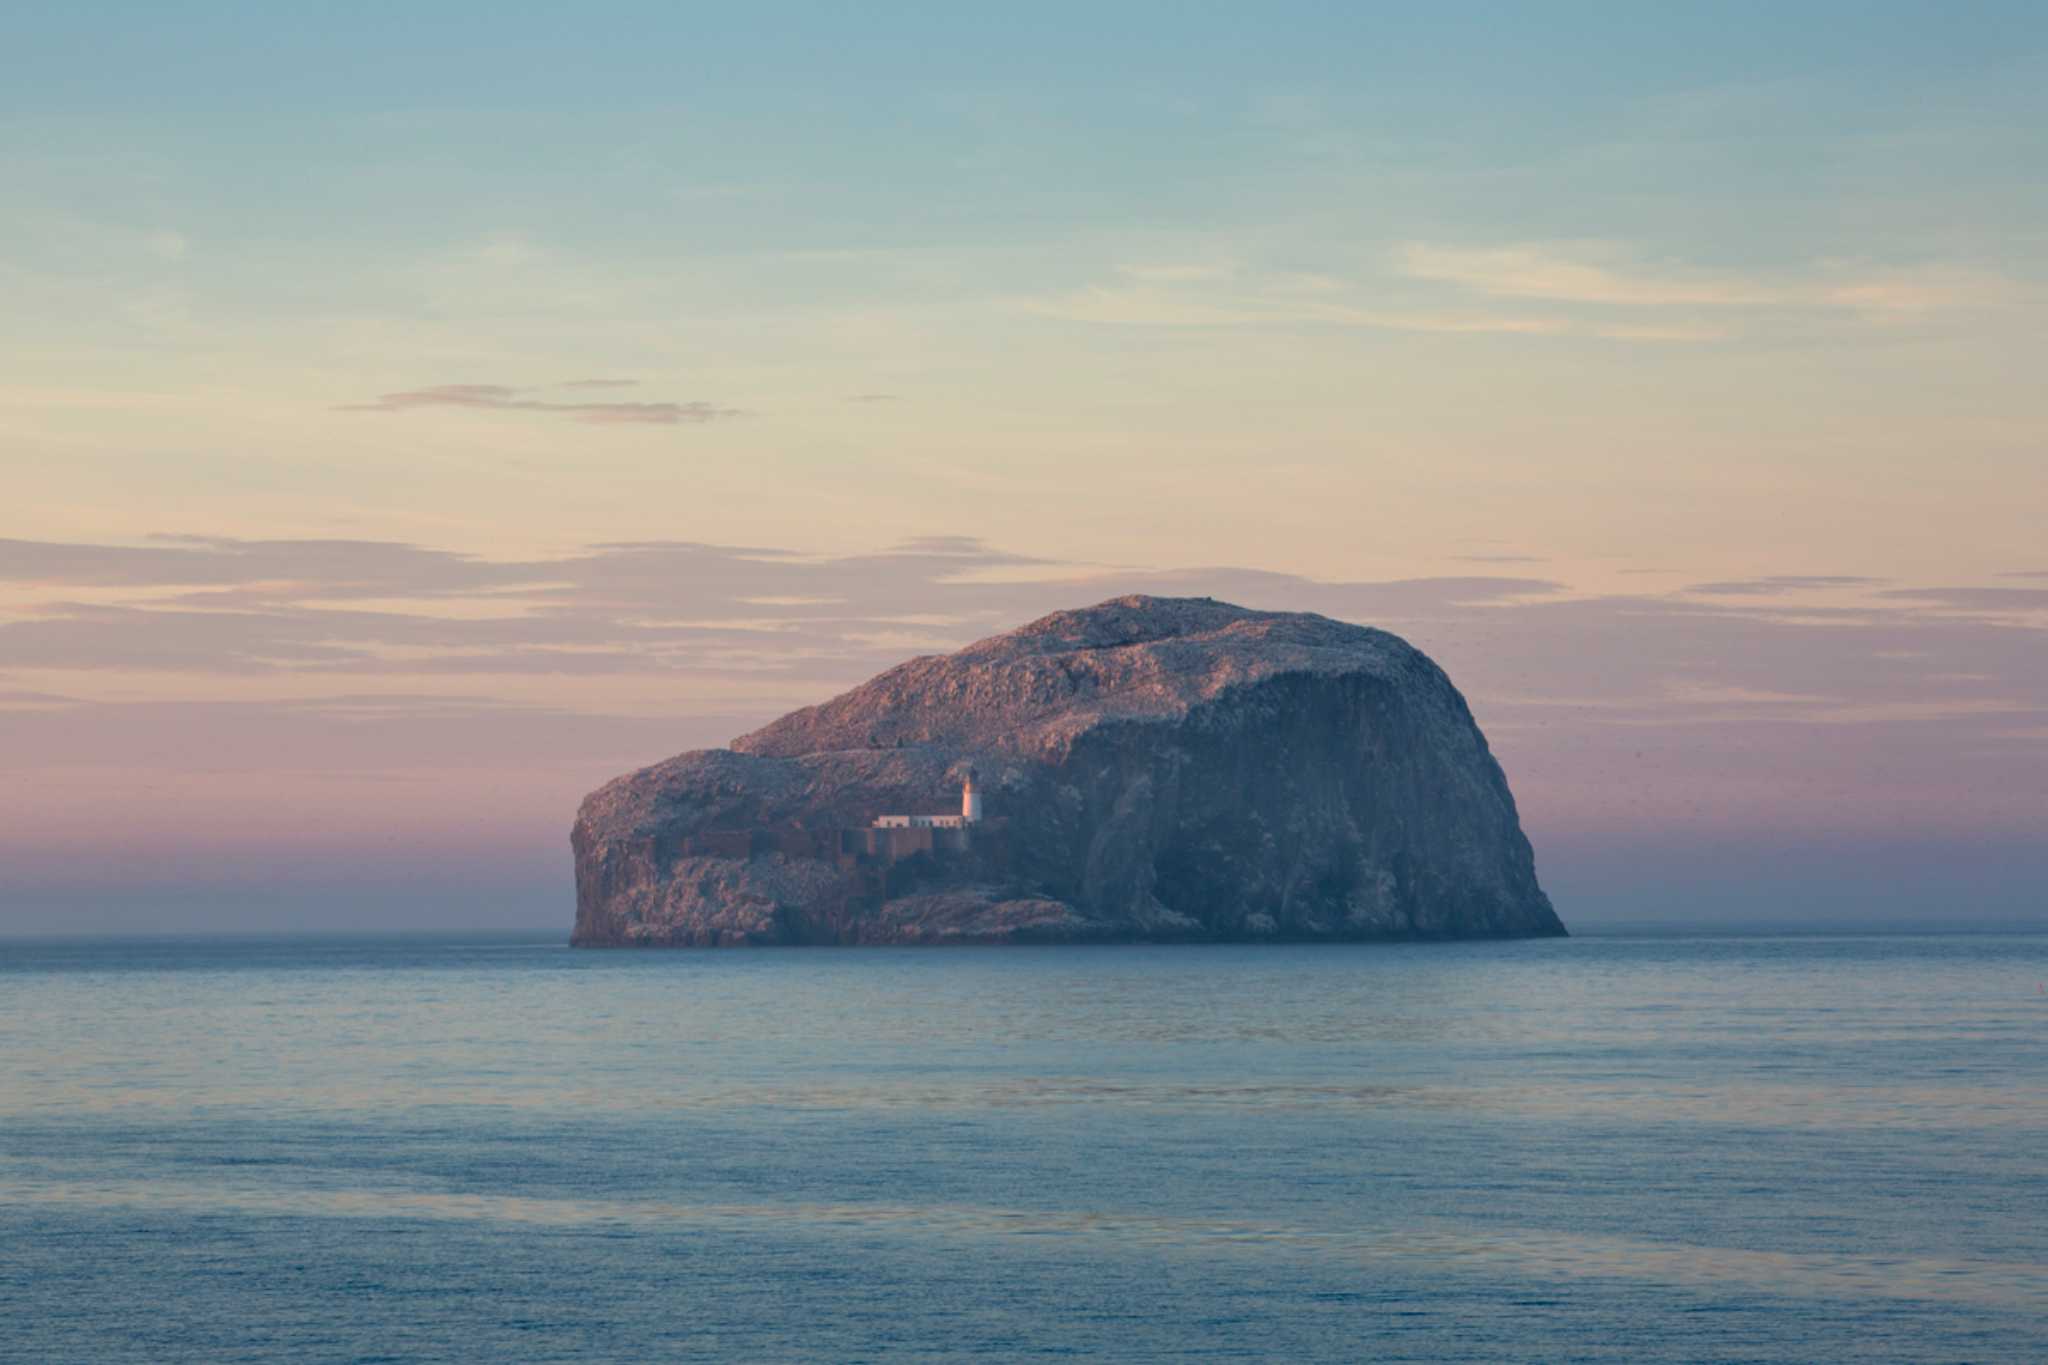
(1149, 768)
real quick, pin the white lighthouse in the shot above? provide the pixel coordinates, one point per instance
(970, 812)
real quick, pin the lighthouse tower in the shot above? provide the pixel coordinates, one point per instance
(970, 799)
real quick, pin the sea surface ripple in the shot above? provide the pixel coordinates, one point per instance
(1758, 1148)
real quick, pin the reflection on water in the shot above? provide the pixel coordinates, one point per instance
(1738, 1104)
(1522, 1253)
(274, 1148)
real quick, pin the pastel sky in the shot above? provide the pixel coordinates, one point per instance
(414, 415)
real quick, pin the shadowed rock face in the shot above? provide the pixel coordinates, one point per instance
(1152, 768)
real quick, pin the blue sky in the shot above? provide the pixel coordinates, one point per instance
(1737, 135)
(1119, 104)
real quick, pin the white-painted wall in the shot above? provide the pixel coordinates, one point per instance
(970, 813)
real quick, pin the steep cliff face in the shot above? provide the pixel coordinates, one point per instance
(1152, 769)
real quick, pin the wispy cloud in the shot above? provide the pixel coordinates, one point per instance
(962, 547)
(1923, 289)
(1777, 585)
(1175, 272)
(1993, 599)
(18, 698)
(1713, 705)
(1605, 274)
(1534, 272)
(1189, 297)
(1161, 305)
(504, 398)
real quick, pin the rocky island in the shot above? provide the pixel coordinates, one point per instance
(1146, 769)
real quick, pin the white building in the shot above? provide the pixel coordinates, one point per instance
(970, 812)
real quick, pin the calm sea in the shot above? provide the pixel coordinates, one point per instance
(1603, 1148)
